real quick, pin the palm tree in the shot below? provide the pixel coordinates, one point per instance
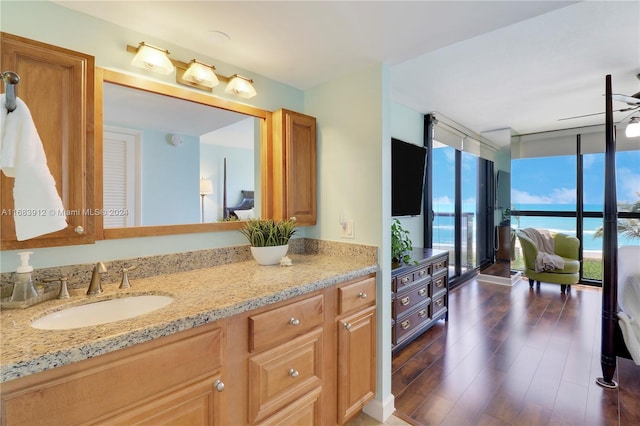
(630, 228)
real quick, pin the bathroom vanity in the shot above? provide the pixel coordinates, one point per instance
(240, 344)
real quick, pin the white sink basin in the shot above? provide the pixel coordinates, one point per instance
(101, 312)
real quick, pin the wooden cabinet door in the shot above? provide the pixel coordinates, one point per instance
(356, 362)
(294, 166)
(57, 86)
(199, 404)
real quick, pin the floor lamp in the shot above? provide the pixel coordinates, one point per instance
(206, 187)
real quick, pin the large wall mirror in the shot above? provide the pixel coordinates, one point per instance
(174, 160)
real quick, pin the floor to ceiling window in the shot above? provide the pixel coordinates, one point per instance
(564, 192)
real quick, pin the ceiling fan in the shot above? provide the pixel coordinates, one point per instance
(633, 101)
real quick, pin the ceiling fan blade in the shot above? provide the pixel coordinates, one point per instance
(595, 113)
(629, 100)
(633, 111)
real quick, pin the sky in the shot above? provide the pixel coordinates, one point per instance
(552, 180)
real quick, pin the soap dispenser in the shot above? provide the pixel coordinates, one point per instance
(23, 289)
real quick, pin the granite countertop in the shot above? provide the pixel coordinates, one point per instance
(200, 296)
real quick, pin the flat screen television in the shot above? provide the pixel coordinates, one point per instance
(408, 163)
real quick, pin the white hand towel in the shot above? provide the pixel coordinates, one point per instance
(38, 207)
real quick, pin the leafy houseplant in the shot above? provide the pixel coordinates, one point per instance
(269, 232)
(269, 239)
(401, 245)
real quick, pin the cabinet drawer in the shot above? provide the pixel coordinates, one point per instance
(280, 375)
(438, 266)
(438, 285)
(279, 325)
(357, 295)
(403, 280)
(304, 411)
(412, 322)
(438, 304)
(405, 302)
(421, 273)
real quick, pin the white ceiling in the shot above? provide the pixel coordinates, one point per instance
(485, 64)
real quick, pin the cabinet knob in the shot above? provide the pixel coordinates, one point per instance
(294, 321)
(347, 325)
(219, 385)
(405, 301)
(362, 295)
(422, 291)
(79, 229)
(293, 373)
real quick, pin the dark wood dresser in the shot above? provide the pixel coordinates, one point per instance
(419, 295)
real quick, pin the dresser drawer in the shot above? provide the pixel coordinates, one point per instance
(405, 302)
(438, 304)
(438, 285)
(438, 266)
(412, 322)
(281, 375)
(282, 324)
(421, 273)
(357, 295)
(403, 280)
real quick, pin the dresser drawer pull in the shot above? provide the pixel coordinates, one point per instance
(347, 326)
(293, 373)
(439, 265)
(439, 302)
(219, 385)
(294, 321)
(405, 280)
(440, 283)
(422, 291)
(422, 313)
(422, 273)
(362, 295)
(405, 324)
(405, 301)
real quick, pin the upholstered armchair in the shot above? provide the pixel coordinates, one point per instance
(565, 246)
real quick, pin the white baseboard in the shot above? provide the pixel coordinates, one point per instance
(380, 410)
(492, 279)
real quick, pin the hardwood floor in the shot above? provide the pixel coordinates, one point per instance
(514, 356)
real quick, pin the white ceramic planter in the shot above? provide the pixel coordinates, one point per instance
(269, 255)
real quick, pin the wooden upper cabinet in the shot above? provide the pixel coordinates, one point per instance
(294, 166)
(57, 86)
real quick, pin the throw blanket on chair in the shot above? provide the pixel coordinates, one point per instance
(546, 260)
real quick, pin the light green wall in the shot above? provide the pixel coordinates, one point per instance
(53, 24)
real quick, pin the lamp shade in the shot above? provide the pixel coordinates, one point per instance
(633, 128)
(200, 73)
(206, 186)
(153, 58)
(241, 86)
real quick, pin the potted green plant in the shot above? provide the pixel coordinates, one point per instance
(401, 245)
(269, 239)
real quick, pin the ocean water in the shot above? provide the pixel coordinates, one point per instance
(443, 226)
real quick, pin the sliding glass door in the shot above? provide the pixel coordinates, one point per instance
(456, 197)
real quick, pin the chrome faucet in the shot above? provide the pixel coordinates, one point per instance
(95, 287)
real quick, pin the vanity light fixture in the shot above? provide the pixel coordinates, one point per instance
(241, 86)
(206, 187)
(152, 58)
(198, 74)
(195, 73)
(633, 128)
